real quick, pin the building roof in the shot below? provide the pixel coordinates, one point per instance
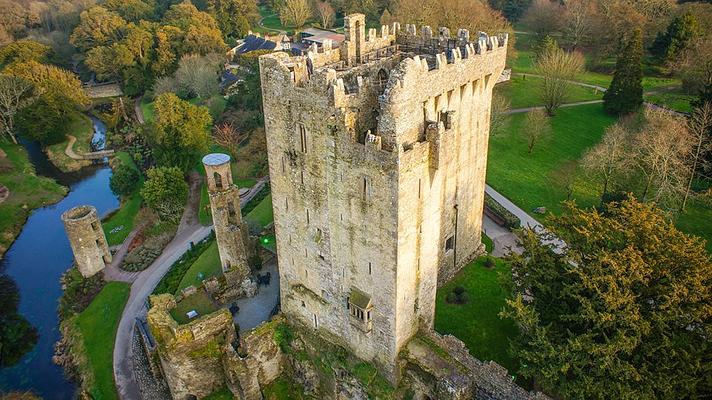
(316, 35)
(214, 159)
(252, 43)
(359, 299)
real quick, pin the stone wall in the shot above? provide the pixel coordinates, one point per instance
(87, 239)
(377, 164)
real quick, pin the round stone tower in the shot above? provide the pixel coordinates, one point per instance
(227, 220)
(87, 239)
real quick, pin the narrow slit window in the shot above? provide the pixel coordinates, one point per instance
(419, 184)
(370, 269)
(307, 216)
(303, 138)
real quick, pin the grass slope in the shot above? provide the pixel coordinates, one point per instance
(524, 92)
(27, 192)
(98, 325)
(125, 216)
(526, 179)
(81, 127)
(477, 322)
(208, 264)
(262, 215)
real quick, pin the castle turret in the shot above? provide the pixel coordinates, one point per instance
(227, 220)
(87, 239)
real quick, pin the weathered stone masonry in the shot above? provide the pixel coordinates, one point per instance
(87, 239)
(377, 153)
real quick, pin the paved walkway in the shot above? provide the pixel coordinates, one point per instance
(257, 309)
(527, 109)
(138, 110)
(113, 272)
(96, 155)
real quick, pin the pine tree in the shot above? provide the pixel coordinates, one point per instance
(625, 94)
(679, 33)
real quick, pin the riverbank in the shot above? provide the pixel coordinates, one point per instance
(82, 128)
(27, 191)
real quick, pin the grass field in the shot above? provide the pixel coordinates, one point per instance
(672, 99)
(27, 192)
(524, 92)
(98, 325)
(697, 220)
(262, 215)
(527, 179)
(125, 216)
(81, 127)
(477, 322)
(207, 264)
(199, 301)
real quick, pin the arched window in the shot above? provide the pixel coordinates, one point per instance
(218, 180)
(382, 79)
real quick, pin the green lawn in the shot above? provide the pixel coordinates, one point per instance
(696, 220)
(208, 264)
(262, 215)
(489, 245)
(81, 127)
(146, 109)
(125, 216)
(199, 301)
(222, 394)
(269, 242)
(477, 322)
(524, 92)
(27, 192)
(98, 325)
(527, 179)
(673, 99)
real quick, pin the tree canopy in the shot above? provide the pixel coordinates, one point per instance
(621, 312)
(625, 94)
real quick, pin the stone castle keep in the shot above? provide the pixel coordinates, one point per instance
(87, 239)
(377, 154)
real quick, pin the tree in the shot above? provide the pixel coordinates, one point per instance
(130, 10)
(24, 50)
(681, 31)
(538, 126)
(15, 94)
(695, 66)
(565, 177)
(98, 27)
(124, 180)
(498, 113)
(663, 146)
(557, 69)
(180, 133)
(61, 94)
(386, 18)
(620, 312)
(326, 13)
(544, 17)
(295, 13)
(227, 136)
(625, 94)
(203, 40)
(577, 22)
(198, 75)
(700, 127)
(234, 17)
(611, 158)
(165, 191)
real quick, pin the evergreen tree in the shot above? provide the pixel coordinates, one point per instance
(625, 94)
(679, 33)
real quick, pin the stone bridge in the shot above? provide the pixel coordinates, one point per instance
(102, 90)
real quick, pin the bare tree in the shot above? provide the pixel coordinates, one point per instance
(538, 126)
(15, 94)
(326, 13)
(565, 176)
(663, 146)
(577, 21)
(610, 158)
(227, 136)
(498, 113)
(543, 17)
(699, 125)
(198, 75)
(295, 13)
(557, 69)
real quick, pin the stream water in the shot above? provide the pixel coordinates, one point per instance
(37, 260)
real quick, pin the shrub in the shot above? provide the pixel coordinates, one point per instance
(489, 262)
(165, 191)
(459, 290)
(457, 296)
(124, 180)
(511, 221)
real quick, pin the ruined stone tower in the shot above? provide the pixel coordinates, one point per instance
(377, 155)
(87, 239)
(227, 219)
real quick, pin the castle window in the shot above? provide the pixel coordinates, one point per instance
(450, 243)
(231, 213)
(98, 243)
(95, 226)
(359, 305)
(369, 268)
(316, 321)
(307, 215)
(218, 180)
(302, 176)
(283, 165)
(303, 138)
(365, 188)
(419, 184)
(303, 304)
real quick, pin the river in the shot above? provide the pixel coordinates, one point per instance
(36, 261)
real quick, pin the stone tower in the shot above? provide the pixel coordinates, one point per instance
(377, 156)
(87, 239)
(227, 219)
